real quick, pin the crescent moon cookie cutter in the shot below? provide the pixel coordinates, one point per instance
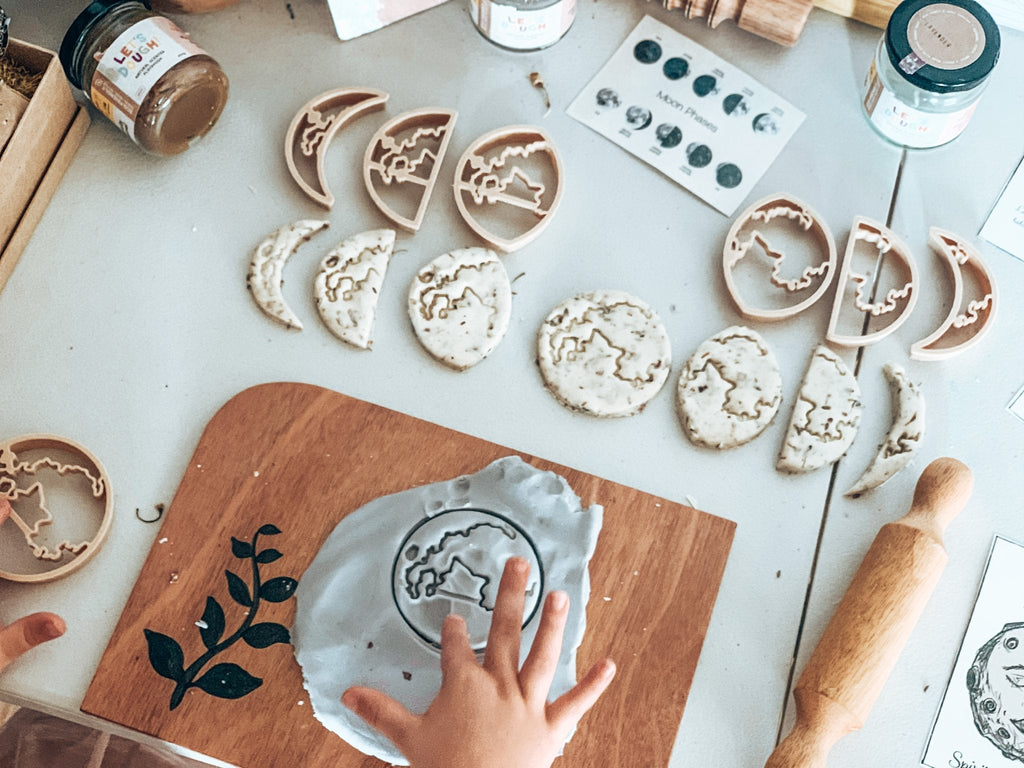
(966, 324)
(313, 128)
(745, 234)
(857, 284)
(404, 154)
(37, 470)
(516, 175)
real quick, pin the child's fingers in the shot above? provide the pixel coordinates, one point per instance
(382, 712)
(567, 710)
(5, 509)
(539, 667)
(25, 634)
(455, 647)
(502, 655)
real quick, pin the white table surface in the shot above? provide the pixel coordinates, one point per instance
(127, 324)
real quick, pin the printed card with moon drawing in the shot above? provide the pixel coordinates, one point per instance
(672, 103)
(980, 723)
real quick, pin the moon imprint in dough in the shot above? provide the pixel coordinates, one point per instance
(511, 179)
(857, 286)
(729, 390)
(312, 130)
(460, 305)
(605, 353)
(825, 417)
(405, 153)
(965, 325)
(266, 268)
(751, 229)
(348, 284)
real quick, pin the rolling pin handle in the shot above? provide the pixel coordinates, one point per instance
(820, 723)
(941, 493)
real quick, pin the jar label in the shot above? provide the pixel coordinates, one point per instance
(522, 29)
(946, 36)
(131, 66)
(906, 125)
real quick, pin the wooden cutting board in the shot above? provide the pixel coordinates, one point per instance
(299, 458)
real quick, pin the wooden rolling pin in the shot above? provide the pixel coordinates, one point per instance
(870, 627)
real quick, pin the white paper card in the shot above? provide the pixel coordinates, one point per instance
(353, 18)
(695, 117)
(1016, 405)
(1004, 227)
(981, 719)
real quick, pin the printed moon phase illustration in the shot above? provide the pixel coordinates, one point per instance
(369, 607)
(995, 683)
(449, 563)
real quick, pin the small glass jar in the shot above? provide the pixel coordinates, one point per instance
(523, 25)
(141, 71)
(930, 69)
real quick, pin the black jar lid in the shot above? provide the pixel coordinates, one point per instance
(71, 53)
(942, 45)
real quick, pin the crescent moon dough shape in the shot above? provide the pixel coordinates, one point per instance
(313, 128)
(898, 302)
(817, 275)
(904, 436)
(825, 417)
(978, 315)
(348, 283)
(729, 390)
(460, 305)
(605, 353)
(408, 150)
(491, 172)
(266, 268)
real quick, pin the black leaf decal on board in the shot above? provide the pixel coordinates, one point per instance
(227, 680)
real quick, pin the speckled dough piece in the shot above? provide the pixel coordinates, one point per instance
(266, 268)
(373, 599)
(904, 436)
(605, 353)
(460, 305)
(729, 390)
(348, 283)
(825, 416)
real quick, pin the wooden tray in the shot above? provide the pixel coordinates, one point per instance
(301, 458)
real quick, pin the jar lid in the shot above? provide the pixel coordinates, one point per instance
(942, 45)
(71, 53)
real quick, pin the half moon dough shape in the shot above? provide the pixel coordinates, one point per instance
(351, 628)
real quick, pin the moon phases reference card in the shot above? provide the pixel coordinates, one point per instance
(695, 117)
(980, 723)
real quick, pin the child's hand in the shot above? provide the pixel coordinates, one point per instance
(495, 715)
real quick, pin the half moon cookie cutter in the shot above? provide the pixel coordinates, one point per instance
(736, 249)
(63, 458)
(408, 149)
(979, 313)
(314, 127)
(896, 300)
(491, 172)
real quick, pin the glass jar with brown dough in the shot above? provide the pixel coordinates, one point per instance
(141, 71)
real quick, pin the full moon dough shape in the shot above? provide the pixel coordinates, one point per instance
(370, 606)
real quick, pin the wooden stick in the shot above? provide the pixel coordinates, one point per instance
(873, 622)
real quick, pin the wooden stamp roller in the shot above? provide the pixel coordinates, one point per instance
(874, 620)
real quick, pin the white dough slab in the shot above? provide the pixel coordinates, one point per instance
(421, 554)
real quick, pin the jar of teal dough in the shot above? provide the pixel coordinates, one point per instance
(929, 71)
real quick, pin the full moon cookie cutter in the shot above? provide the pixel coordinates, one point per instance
(736, 249)
(391, 160)
(313, 128)
(87, 465)
(479, 181)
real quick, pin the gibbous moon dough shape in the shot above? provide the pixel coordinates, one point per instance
(370, 604)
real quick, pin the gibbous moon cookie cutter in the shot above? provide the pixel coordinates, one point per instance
(736, 249)
(399, 161)
(314, 127)
(487, 174)
(896, 300)
(979, 313)
(13, 469)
